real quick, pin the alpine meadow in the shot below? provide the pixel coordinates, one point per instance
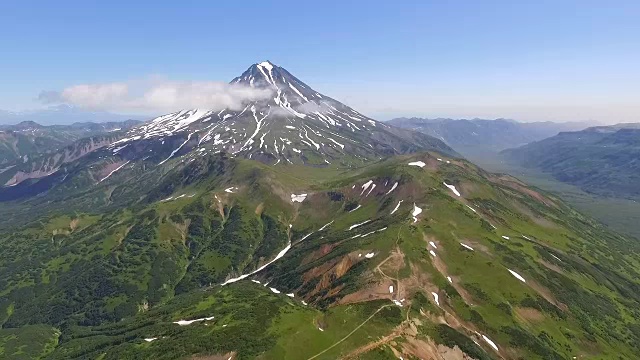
(277, 233)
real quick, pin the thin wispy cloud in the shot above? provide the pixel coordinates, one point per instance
(155, 95)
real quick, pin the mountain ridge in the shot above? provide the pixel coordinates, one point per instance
(601, 160)
(27, 139)
(469, 136)
(62, 114)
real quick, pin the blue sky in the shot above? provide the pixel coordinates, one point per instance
(542, 60)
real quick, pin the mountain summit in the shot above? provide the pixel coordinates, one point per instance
(281, 121)
(292, 123)
(289, 89)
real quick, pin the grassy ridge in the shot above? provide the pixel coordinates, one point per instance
(113, 278)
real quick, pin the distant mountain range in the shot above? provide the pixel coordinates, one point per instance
(63, 115)
(478, 137)
(29, 138)
(604, 160)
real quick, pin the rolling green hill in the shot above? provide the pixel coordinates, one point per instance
(231, 258)
(28, 139)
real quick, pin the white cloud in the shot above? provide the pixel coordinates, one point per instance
(156, 95)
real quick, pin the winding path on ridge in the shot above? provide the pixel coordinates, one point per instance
(351, 333)
(395, 281)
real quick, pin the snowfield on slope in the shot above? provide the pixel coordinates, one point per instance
(189, 322)
(466, 246)
(491, 343)
(298, 198)
(516, 275)
(452, 188)
(416, 211)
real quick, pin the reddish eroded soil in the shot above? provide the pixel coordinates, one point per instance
(328, 273)
(317, 254)
(379, 289)
(515, 184)
(427, 349)
(529, 314)
(231, 355)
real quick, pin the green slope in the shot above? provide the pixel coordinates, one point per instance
(127, 257)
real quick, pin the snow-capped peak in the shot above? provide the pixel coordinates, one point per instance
(293, 125)
(266, 64)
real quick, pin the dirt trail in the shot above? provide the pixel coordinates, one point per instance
(396, 252)
(398, 331)
(387, 338)
(349, 334)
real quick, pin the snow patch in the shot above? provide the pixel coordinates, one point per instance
(280, 254)
(177, 149)
(359, 224)
(189, 322)
(111, 173)
(397, 206)
(335, 142)
(325, 226)
(371, 232)
(416, 211)
(365, 186)
(436, 298)
(517, 276)
(298, 198)
(392, 188)
(491, 343)
(466, 246)
(452, 188)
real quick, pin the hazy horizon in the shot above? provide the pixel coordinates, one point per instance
(106, 116)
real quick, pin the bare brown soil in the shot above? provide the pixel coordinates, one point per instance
(515, 184)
